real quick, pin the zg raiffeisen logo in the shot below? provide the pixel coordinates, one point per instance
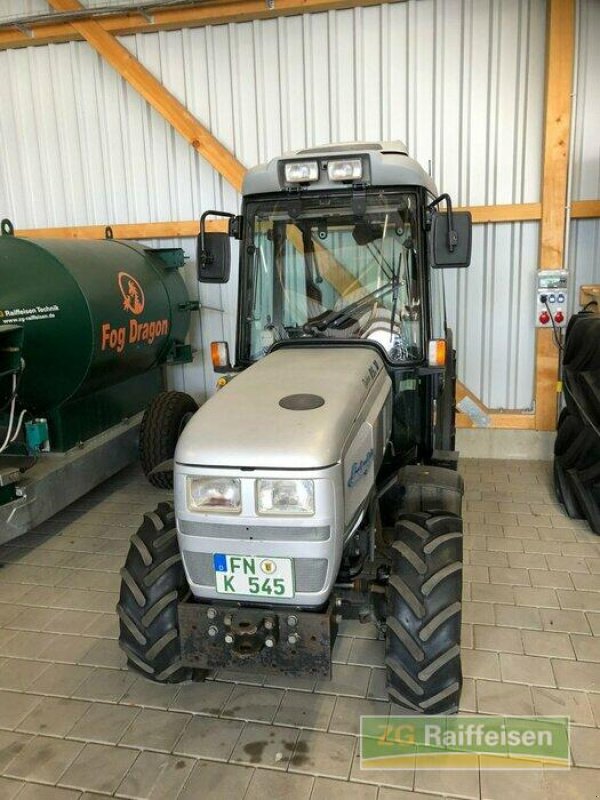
(464, 742)
(132, 293)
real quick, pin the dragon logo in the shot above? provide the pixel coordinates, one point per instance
(132, 292)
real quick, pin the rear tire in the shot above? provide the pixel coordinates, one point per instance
(564, 492)
(424, 613)
(162, 423)
(153, 582)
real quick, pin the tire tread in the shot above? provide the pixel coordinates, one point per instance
(150, 589)
(424, 613)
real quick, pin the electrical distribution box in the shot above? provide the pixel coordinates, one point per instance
(551, 298)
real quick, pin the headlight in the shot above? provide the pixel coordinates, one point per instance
(214, 494)
(302, 171)
(350, 169)
(285, 497)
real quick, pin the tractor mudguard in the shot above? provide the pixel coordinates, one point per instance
(422, 488)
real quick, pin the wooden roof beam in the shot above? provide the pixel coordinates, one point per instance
(584, 209)
(209, 13)
(157, 95)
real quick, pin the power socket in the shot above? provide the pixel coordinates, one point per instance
(551, 298)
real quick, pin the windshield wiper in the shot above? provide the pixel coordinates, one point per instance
(335, 319)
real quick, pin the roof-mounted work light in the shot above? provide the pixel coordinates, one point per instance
(302, 171)
(348, 169)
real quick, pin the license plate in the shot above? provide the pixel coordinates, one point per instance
(254, 576)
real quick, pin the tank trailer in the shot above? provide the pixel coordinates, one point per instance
(86, 328)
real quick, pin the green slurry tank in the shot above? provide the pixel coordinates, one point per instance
(98, 318)
(85, 329)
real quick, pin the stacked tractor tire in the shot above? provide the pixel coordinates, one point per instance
(577, 447)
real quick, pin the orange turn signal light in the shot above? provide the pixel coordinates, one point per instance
(219, 353)
(437, 352)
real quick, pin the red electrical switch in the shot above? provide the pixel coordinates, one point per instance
(559, 316)
(544, 317)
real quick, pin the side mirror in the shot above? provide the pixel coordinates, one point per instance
(214, 257)
(450, 239)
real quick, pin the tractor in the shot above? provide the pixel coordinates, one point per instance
(320, 483)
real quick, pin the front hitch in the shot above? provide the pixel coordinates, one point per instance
(274, 640)
(248, 638)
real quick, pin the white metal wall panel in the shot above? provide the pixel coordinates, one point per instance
(21, 9)
(584, 240)
(490, 309)
(586, 155)
(584, 257)
(461, 81)
(13, 9)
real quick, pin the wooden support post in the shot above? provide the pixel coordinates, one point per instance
(155, 93)
(560, 53)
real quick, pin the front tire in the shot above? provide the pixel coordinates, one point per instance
(152, 584)
(424, 613)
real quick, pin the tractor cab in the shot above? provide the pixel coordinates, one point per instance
(342, 245)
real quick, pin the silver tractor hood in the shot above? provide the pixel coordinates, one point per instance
(294, 409)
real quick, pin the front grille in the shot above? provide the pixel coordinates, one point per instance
(310, 572)
(262, 533)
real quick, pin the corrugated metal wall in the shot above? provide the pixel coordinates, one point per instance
(584, 250)
(461, 81)
(20, 9)
(11, 9)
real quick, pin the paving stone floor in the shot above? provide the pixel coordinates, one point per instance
(75, 724)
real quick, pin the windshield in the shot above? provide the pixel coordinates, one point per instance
(330, 267)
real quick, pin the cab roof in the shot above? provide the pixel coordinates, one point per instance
(388, 165)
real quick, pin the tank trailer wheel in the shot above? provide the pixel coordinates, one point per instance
(152, 583)
(424, 613)
(162, 423)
